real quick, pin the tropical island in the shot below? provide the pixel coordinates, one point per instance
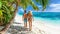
(11, 21)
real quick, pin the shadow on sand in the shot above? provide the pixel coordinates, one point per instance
(17, 30)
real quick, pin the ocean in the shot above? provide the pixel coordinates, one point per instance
(48, 17)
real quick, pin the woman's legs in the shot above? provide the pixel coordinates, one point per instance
(30, 25)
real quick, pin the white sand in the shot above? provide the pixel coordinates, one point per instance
(40, 27)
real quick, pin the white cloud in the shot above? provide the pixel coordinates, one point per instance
(55, 7)
(21, 9)
(39, 6)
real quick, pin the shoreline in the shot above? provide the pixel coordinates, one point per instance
(41, 26)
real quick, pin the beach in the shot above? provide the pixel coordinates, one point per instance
(39, 26)
(41, 16)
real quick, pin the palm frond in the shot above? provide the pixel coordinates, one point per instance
(44, 3)
(34, 6)
(0, 4)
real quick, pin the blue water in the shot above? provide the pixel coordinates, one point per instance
(53, 17)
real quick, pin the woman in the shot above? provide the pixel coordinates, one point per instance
(30, 20)
(25, 19)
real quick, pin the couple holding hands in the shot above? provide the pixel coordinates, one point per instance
(27, 17)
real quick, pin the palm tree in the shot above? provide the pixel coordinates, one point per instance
(8, 9)
(44, 3)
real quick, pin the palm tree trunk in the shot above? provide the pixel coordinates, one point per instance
(11, 21)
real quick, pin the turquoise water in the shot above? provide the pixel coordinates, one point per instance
(49, 17)
(48, 20)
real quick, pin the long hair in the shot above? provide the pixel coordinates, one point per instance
(30, 12)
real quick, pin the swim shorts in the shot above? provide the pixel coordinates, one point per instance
(25, 20)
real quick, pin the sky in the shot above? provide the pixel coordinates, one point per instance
(54, 6)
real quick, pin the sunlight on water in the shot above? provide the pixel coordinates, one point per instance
(48, 20)
(47, 17)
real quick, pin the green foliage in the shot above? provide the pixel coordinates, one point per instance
(44, 3)
(0, 12)
(34, 6)
(0, 4)
(11, 0)
(6, 12)
(25, 3)
(7, 9)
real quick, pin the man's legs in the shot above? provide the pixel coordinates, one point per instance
(25, 25)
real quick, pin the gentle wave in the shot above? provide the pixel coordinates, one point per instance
(48, 15)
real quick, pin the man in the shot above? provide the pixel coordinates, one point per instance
(25, 19)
